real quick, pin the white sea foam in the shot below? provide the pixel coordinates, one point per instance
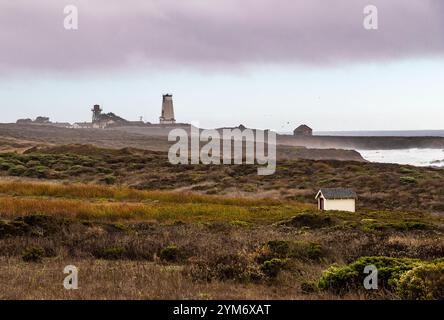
(415, 157)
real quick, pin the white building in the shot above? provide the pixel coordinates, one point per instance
(339, 199)
(82, 125)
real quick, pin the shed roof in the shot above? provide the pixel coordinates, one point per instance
(303, 127)
(337, 193)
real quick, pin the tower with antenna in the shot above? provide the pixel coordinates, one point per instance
(97, 111)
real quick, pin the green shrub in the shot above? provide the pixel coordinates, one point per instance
(110, 179)
(233, 267)
(17, 170)
(407, 180)
(279, 248)
(5, 165)
(340, 278)
(37, 172)
(78, 169)
(290, 249)
(313, 250)
(33, 254)
(226, 267)
(61, 166)
(424, 282)
(271, 268)
(104, 170)
(32, 163)
(405, 170)
(170, 253)
(410, 225)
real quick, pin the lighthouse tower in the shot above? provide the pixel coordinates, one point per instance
(167, 116)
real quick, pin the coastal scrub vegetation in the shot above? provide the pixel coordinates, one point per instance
(191, 245)
(379, 186)
(140, 228)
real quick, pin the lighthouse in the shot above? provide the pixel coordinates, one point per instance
(167, 116)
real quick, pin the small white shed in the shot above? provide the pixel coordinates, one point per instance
(340, 199)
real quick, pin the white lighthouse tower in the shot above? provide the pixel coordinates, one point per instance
(167, 116)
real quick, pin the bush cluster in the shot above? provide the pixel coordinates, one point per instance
(290, 249)
(409, 278)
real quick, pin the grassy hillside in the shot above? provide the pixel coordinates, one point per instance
(140, 228)
(152, 244)
(379, 186)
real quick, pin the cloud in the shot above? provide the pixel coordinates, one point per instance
(213, 34)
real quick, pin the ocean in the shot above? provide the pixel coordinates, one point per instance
(399, 133)
(414, 157)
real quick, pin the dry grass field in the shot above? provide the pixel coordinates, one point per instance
(136, 244)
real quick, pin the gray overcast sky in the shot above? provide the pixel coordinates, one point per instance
(264, 63)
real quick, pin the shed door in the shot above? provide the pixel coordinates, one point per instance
(321, 203)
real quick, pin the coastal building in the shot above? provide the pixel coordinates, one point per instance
(167, 115)
(43, 121)
(61, 124)
(340, 199)
(24, 121)
(82, 125)
(103, 120)
(303, 130)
